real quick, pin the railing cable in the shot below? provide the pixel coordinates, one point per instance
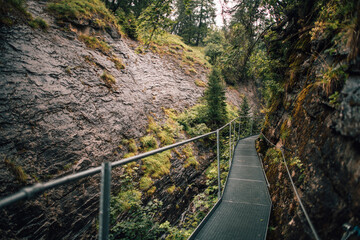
(295, 191)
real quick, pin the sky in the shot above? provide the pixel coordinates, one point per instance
(218, 4)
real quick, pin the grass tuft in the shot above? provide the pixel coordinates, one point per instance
(94, 43)
(108, 79)
(39, 23)
(16, 170)
(149, 142)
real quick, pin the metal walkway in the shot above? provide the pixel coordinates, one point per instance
(244, 210)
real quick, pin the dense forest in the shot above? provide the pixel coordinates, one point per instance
(301, 57)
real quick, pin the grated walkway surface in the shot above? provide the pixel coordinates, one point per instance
(244, 211)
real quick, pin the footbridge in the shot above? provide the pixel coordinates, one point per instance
(244, 204)
(243, 211)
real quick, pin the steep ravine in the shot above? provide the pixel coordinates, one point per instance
(57, 116)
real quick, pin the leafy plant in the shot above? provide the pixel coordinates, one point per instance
(141, 224)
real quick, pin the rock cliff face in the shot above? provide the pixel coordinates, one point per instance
(59, 116)
(317, 123)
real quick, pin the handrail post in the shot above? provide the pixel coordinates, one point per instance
(104, 215)
(230, 143)
(240, 127)
(251, 126)
(218, 163)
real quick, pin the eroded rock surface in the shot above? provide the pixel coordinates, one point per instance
(57, 116)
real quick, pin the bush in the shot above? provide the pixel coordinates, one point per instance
(140, 225)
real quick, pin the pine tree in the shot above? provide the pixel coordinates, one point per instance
(245, 114)
(193, 19)
(215, 98)
(155, 19)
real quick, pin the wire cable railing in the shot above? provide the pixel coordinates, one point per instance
(30, 192)
(316, 236)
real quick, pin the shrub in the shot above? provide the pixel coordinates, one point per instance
(139, 225)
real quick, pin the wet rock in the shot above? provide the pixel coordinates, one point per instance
(348, 123)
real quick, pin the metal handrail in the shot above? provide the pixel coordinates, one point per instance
(38, 188)
(316, 236)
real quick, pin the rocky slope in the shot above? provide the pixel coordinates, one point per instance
(59, 115)
(316, 120)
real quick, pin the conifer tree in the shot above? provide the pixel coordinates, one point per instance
(155, 19)
(245, 114)
(215, 98)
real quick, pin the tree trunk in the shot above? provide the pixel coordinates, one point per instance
(200, 23)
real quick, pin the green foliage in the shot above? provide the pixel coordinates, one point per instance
(132, 146)
(200, 83)
(334, 99)
(154, 20)
(39, 23)
(173, 42)
(118, 63)
(82, 9)
(274, 155)
(108, 79)
(215, 98)
(149, 142)
(190, 158)
(157, 165)
(13, 10)
(332, 78)
(295, 161)
(124, 201)
(16, 170)
(193, 119)
(193, 19)
(145, 183)
(94, 43)
(141, 224)
(171, 189)
(214, 43)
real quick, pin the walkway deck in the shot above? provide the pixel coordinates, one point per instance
(243, 213)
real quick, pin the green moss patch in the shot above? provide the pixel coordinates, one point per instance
(157, 165)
